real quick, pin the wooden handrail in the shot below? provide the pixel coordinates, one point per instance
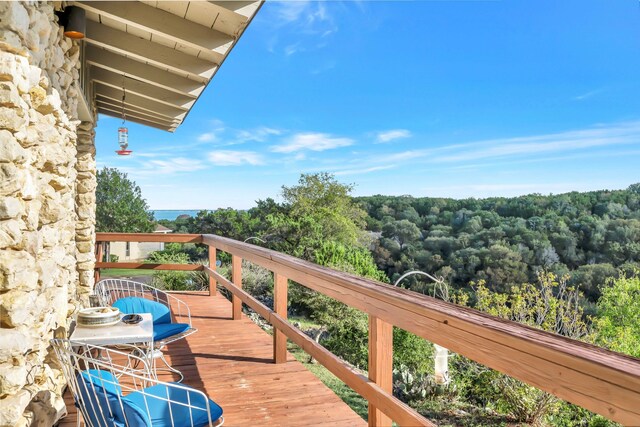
(146, 266)
(599, 380)
(149, 237)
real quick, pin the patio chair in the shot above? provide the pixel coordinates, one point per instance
(108, 393)
(135, 297)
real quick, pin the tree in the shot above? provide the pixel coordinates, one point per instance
(317, 210)
(120, 206)
(404, 232)
(551, 305)
(618, 322)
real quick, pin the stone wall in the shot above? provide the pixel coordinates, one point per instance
(47, 207)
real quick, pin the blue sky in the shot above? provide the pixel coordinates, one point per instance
(430, 98)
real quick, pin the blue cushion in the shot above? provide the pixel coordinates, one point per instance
(168, 414)
(168, 329)
(99, 396)
(132, 305)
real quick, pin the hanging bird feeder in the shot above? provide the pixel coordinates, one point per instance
(123, 132)
(123, 141)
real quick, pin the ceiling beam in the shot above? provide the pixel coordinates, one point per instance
(147, 51)
(147, 73)
(130, 115)
(162, 23)
(117, 106)
(139, 101)
(143, 89)
(243, 7)
(140, 121)
(226, 21)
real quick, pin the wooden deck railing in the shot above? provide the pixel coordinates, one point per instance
(599, 380)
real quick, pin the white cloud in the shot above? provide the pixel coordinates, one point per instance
(235, 158)
(260, 134)
(391, 135)
(292, 48)
(588, 95)
(311, 141)
(179, 164)
(306, 21)
(206, 137)
(625, 133)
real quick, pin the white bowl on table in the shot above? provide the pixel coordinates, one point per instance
(98, 316)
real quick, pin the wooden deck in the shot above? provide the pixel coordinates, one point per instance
(232, 362)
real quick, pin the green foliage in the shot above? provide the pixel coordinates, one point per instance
(618, 322)
(351, 259)
(321, 197)
(506, 241)
(410, 386)
(120, 206)
(551, 305)
(172, 280)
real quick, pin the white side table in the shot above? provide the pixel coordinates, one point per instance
(139, 336)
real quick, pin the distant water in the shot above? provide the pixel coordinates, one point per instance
(171, 215)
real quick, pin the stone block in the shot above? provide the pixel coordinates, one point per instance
(12, 408)
(12, 378)
(11, 234)
(12, 179)
(47, 407)
(17, 306)
(16, 17)
(11, 42)
(11, 207)
(28, 190)
(11, 119)
(14, 345)
(9, 95)
(17, 270)
(10, 150)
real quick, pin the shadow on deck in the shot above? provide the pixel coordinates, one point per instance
(232, 362)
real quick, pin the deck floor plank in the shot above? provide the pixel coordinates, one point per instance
(231, 361)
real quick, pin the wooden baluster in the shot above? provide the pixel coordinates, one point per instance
(280, 288)
(98, 253)
(236, 277)
(213, 258)
(380, 364)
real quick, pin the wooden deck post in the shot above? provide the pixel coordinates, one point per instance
(236, 277)
(213, 258)
(96, 272)
(280, 288)
(380, 364)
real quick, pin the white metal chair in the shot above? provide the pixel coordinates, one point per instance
(135, 297)
(109, 394)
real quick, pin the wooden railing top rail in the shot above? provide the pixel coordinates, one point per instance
(596, 379)
(149, 237)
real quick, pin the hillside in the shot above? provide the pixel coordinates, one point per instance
(505, 241)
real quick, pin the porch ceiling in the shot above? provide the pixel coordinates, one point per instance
(164, 53)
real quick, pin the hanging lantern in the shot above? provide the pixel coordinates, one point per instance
(123, 141)
(123, 132)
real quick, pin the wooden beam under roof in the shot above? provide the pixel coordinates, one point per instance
(147, 51)
(162, 23)
(215, 16)
(117, 106)
(138, 112)
(139, 101)
(243, 7)
(143, 89)
(134, 117)
(140, 121)
(147, 73)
